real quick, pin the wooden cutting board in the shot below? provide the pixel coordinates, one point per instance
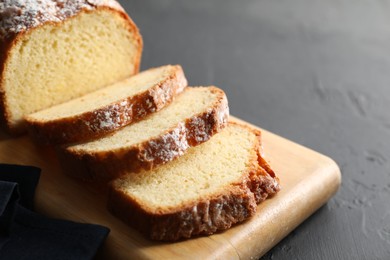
(308, 180)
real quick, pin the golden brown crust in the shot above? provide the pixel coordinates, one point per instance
(5, 46)
(18, 16)
(104, 166)
(263, 181)
(106, 119)
(203, 218)
(136, 33)
(210, 214)
(13, 31)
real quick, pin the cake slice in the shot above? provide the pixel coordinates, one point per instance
(212, 187)
(108, 109)
(192, 118)
(52, 51)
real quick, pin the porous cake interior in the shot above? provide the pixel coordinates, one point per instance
(205, 170)
(118, 91)
(57, 62)
(189, 103)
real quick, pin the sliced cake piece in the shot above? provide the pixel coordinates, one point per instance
(210, 188)
(108, 109)
(195, 115)
(52, 51)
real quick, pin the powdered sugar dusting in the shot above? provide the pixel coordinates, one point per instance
(200, 128)
(112, 118)
(167, 147)
(20, 15)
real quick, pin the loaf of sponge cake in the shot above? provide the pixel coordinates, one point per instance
(53, 51)
(179, 170)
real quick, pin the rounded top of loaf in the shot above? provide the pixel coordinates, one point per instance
(20, 15)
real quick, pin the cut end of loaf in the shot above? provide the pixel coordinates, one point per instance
(212, 187)
(56, 62)
(105, 110)
(118, 92)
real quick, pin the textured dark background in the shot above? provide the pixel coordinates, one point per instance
(314, 71)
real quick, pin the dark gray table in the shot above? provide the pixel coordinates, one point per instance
(315, 72)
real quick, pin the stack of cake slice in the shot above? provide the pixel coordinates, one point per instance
(174, 164)
(177, 167)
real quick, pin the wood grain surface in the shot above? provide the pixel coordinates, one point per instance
(308, 180)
